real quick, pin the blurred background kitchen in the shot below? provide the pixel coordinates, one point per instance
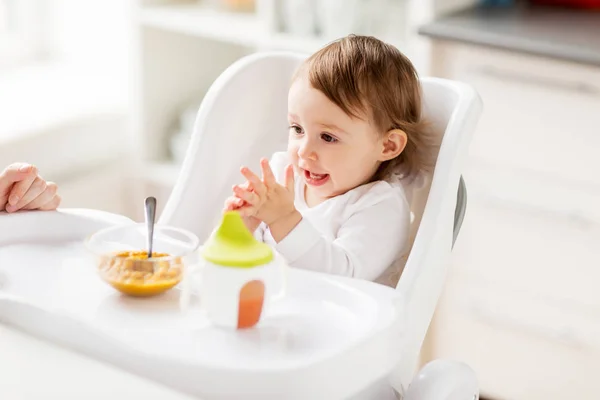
(102, 95)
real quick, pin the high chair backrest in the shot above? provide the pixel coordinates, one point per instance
(453, 109)
(244, 117)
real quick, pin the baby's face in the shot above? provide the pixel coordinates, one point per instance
(330, 150)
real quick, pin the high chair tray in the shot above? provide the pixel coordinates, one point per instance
(328, 338)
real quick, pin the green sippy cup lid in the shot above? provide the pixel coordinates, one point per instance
(232, 245)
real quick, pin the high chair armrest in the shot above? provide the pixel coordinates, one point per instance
(444, 380)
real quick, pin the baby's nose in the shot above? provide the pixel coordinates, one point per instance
(307, 152)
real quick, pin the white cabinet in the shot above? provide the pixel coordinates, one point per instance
(540, 114)
(522, 305)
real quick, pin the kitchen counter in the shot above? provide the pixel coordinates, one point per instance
(571, 35)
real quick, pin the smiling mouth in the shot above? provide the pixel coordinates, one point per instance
(315, 179)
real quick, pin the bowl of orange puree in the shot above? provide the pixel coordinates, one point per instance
(122, 259)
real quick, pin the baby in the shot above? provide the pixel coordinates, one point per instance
(335, 202)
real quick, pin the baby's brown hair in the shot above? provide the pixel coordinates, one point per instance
(368, 78)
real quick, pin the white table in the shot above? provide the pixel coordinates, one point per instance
(33, 369)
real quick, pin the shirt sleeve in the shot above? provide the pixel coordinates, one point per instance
(259, 233)
(366, 244)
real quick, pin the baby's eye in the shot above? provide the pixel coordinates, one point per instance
(328, 138)
(296, 129)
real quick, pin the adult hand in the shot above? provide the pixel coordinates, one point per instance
(22, 188)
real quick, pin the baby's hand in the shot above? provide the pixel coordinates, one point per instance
(234, 203)
(268, 201)
(21, 188)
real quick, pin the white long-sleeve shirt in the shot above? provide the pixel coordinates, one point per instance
(358, 234)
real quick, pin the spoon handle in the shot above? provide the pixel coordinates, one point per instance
(150, 212)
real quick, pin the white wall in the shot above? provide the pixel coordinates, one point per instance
(70, 113)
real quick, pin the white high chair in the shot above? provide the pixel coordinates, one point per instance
(244, 117)
(334, 338)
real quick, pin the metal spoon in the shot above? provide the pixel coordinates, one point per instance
(150, 213)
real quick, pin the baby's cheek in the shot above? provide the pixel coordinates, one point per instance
(292, 152)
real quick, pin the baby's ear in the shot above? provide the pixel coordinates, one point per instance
(394, 142)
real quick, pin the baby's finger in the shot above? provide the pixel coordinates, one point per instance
(268, 176)
(233, 202)
(247, 185)
(247, 211)
(249, 197)
(254, 180)
(289, 178)
(20, 189)
(44, 198)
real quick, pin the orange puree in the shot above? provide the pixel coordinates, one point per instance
(132, 273)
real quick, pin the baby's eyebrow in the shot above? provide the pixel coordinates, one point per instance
(333, 128)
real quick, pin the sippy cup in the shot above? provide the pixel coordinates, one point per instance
(239, 277)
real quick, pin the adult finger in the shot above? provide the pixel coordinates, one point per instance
(44, 198)
(15, 173)
(52, 205)
(21, 187)
(36, 189)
